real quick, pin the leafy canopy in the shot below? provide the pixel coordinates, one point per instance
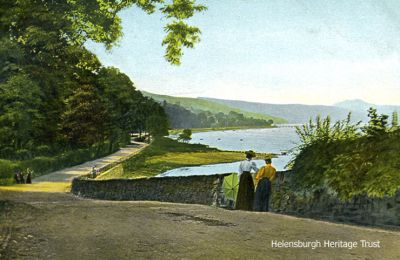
(97, 20)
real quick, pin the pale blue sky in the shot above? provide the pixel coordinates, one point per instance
(281, 51)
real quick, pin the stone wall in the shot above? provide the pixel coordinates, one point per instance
(207, 190)
(323, 204)
(192, 189)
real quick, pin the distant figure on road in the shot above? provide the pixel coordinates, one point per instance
(21, 177)
(28, 176)
(264, 177)
(17, 177)
(94, 172)
(245, 196)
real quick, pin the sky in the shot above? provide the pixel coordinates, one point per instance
(275, 51)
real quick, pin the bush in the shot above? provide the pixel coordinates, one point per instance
(23, 154)
(346, 162)
(7, 153)
(40, 165)
(43, 150)
(7, 169)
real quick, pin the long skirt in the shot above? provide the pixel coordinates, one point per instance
(263, 192)
(245, 196)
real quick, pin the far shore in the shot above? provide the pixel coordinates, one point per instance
(210, 129)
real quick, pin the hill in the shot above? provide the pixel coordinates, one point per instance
(198, 105)
(362, 106)
(293, 113)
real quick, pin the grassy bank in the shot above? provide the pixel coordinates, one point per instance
(165, 154)
(199, 130)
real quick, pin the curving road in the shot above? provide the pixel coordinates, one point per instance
(67, 174)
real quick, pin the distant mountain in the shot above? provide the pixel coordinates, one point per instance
(280, 113)
(362, 106)
(294, 113)
(198, 105)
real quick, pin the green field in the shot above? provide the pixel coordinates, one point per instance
(196, 104)
(165, 154)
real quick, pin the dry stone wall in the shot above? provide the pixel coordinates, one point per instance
(192, 189)
(323, 204)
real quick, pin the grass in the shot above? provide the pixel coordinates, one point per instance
(165, 154)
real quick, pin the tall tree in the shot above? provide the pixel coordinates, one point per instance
(83, 122)
(19, 111)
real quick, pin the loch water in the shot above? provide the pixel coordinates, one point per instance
(278, 140)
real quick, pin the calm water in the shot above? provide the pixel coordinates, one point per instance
(274, 140)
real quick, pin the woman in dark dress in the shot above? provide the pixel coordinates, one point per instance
(245, 196)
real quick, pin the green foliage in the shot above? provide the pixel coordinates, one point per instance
(157, 123)
(7, 169)
(179, 34)
(185, 136)
(43, 150)
(40, 165)
(19, 106)
(73, 22)
(322, 131)
(58, 105)
(395, 121)
(55, 93)
(83, 121)
(347, 160)
(181, 117)
(377, 124)
(366, 166)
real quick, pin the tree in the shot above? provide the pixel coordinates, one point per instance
(157, 125)
(185, 136)
(75, 21)
(156, 120)
(377, 124)
(65, 94)
(395, 120)
(19, 107)
(84, 119)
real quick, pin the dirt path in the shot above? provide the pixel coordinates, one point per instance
(67, 174)
(62, 226)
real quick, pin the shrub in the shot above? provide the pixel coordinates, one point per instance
(40, 165)
(7, 153)
(7, 169)
(23, 154)
(347, 162)
(43, 150)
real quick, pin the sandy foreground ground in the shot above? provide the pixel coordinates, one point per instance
(38, 225)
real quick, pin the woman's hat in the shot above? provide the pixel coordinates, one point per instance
(250, 153)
